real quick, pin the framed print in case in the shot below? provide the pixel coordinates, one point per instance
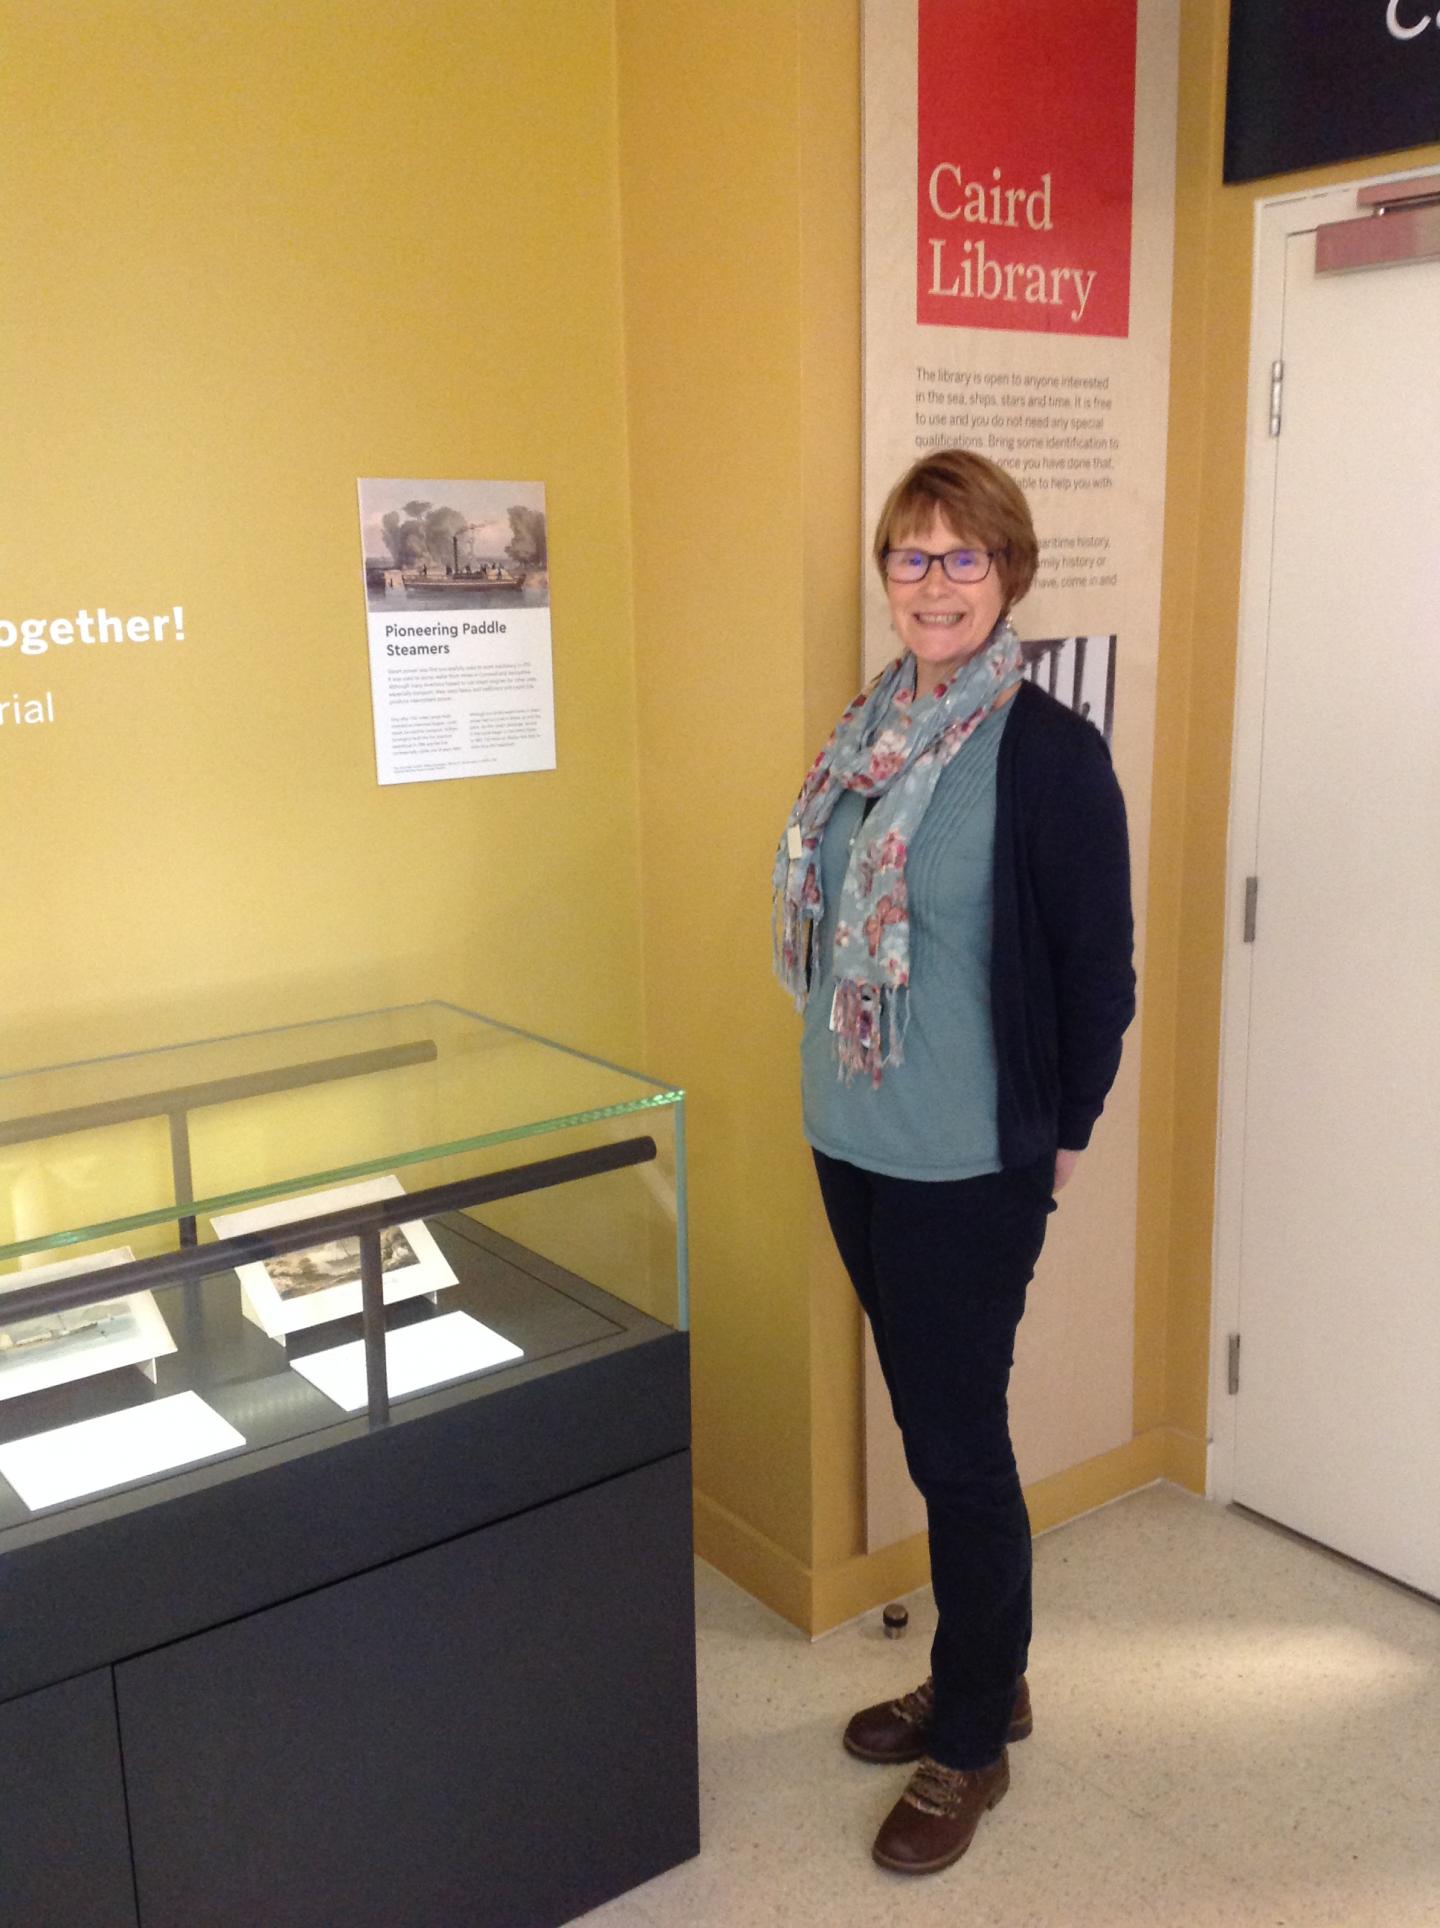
(311, 1287)
(53, 1348)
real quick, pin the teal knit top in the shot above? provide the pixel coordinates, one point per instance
(933, 1116)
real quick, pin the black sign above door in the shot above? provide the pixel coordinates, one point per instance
(1332, 80)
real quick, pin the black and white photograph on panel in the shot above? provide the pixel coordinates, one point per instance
(1079, 671)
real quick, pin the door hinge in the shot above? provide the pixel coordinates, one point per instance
(1252, 898)
(1232, 1368)
(1277, 384)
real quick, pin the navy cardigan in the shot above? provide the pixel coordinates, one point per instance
(1062, 985)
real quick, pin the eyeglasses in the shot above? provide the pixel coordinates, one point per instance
(960, 565)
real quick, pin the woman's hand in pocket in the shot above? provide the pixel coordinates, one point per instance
(1065, 1163)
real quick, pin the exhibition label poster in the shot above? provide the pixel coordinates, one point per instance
(1019, 176)
(457, 600)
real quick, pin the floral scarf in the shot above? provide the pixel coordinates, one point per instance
(890, 745)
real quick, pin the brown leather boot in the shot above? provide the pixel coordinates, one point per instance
(899, 1730)
(934, 1821)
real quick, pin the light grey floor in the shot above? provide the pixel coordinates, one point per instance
(1231, 1727)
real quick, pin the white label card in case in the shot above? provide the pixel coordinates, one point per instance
(92, 1455)
(795, 843)
(416, 1356)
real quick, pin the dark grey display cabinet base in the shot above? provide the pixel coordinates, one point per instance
(423, 1675)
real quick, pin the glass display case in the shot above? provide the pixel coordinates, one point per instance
(283, 1311)
(153, 1220)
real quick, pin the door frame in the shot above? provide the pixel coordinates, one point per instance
(1277, 218)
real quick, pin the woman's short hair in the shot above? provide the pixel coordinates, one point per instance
(981, 503)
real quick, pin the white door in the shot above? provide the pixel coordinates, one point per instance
(1337, 1179)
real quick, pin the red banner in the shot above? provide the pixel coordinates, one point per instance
(1026, 137)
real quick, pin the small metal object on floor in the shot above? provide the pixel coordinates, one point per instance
(895, 1619)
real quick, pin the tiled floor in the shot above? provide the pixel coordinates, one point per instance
(1231, 1727)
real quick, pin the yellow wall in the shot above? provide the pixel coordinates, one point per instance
(250, 253)
(707, 193)
(740, 197)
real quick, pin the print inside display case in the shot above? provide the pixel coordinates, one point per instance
(285, 1318)
(322, 1283)
(49, 1348)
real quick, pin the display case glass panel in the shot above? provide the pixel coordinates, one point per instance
(130, 1162)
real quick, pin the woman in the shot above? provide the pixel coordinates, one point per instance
(953, 916)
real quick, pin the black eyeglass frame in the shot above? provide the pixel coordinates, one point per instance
(933, 556)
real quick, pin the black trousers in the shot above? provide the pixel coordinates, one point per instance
(941, 1270)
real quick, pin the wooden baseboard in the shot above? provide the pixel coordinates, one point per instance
(1186, 1460)
(1095, 1482)
(752, 1561)
(816, 1602)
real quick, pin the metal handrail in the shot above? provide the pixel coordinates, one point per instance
(214, 1091)
(177, 1102)
(365, 1221)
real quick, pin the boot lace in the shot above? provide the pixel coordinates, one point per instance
(937, 1789)
(917, 1707)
